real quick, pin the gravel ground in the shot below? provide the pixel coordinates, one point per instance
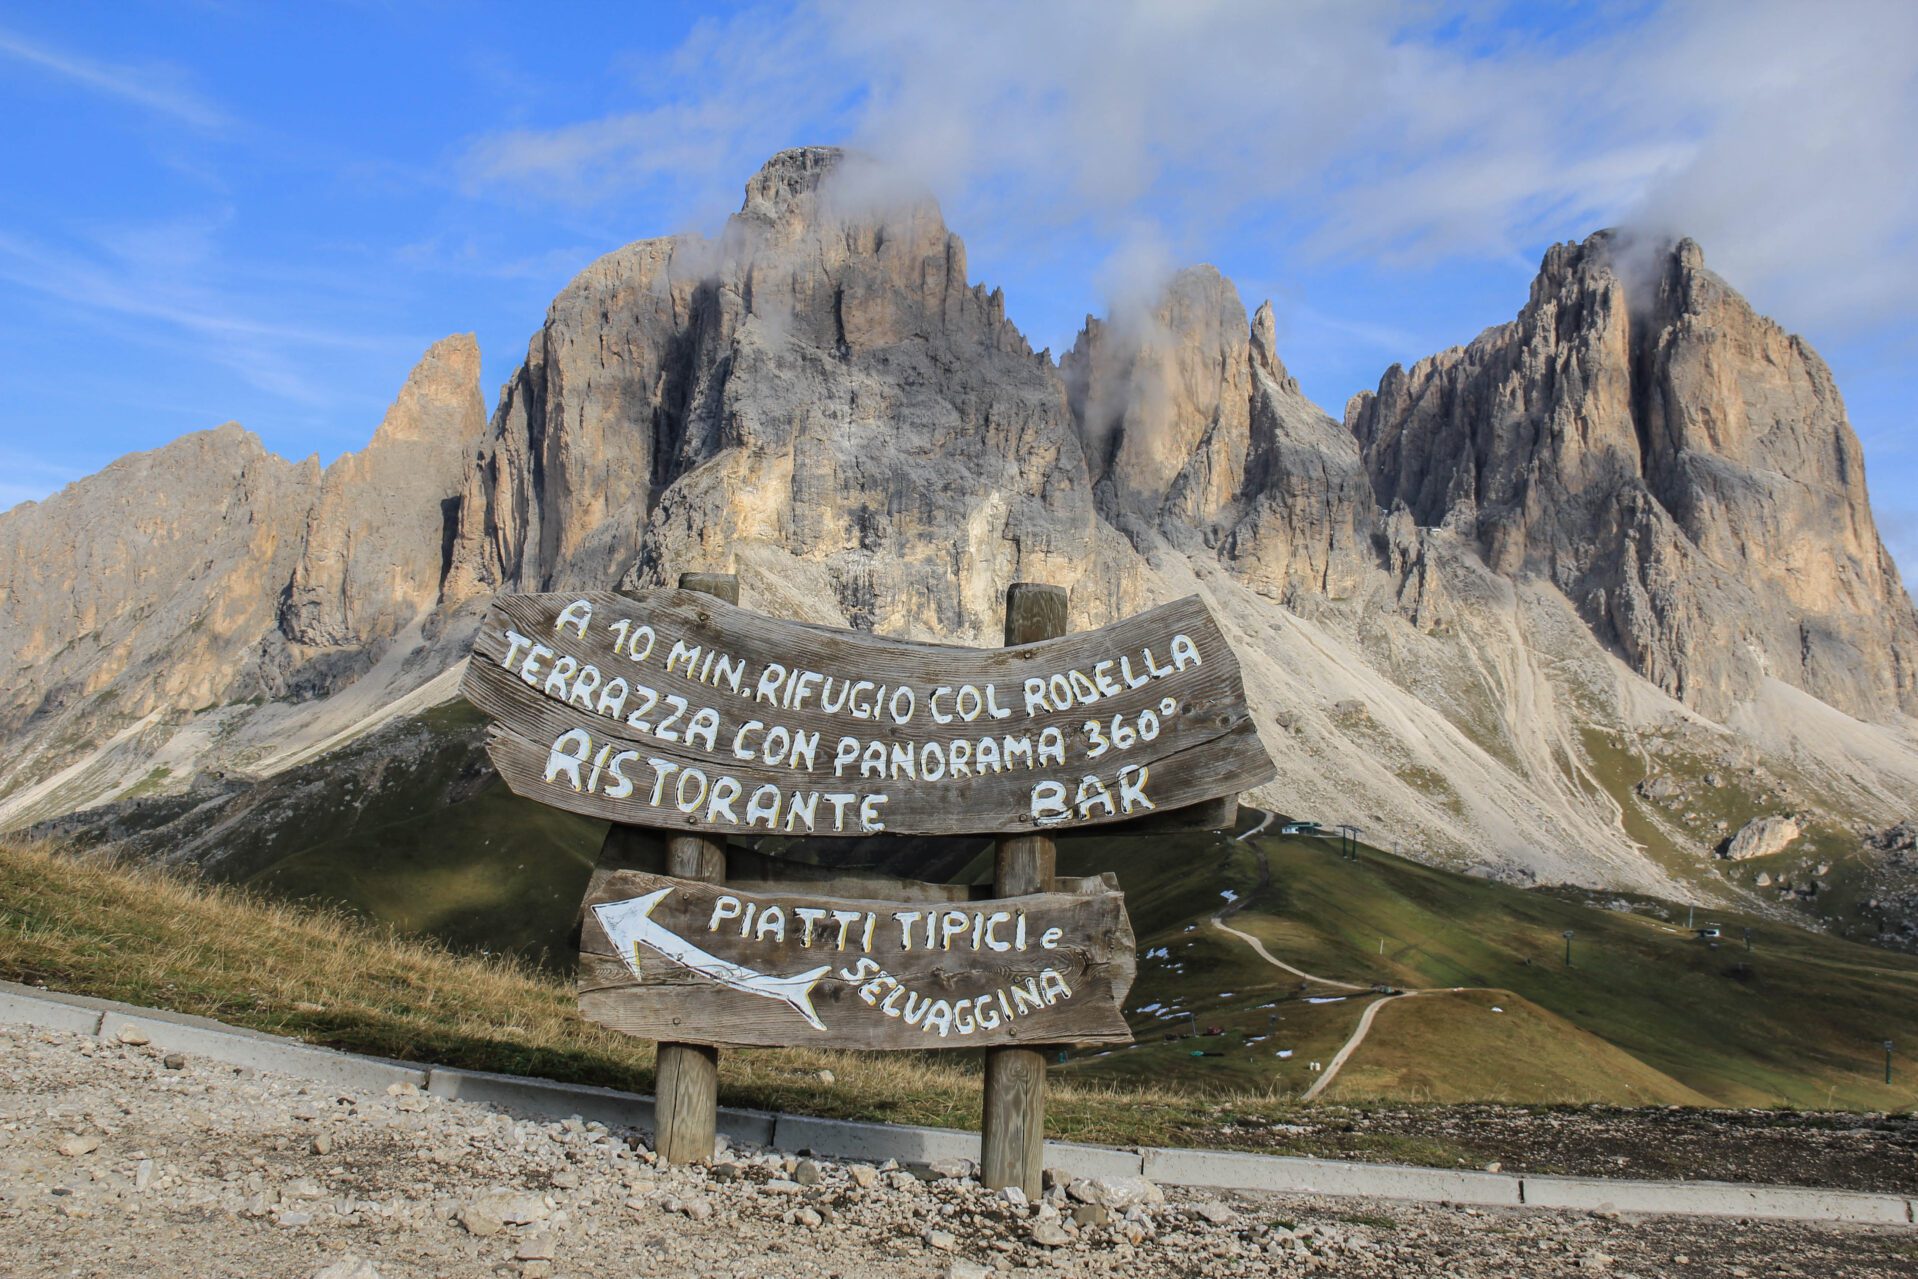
(117, 1161)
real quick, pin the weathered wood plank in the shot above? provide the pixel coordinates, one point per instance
(702, 963)
(678, 792)
(672, 709)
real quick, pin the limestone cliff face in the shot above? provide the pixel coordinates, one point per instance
(1194, 429)
(1678, 465)
(1163, 401)
(184, 584)
(150, 584)
(818, 395)
(378, 533)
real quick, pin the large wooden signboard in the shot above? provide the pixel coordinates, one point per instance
(710, 964)
(673, 709)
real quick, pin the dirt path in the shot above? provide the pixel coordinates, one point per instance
(1265, 824)
(1351, 1045)
(1359, 1032)
(1218, 922)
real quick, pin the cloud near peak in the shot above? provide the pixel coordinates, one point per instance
(1769, 131)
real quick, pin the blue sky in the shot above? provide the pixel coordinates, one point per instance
(264, 213)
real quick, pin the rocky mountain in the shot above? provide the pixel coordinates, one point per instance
(1194, 430)
(1621, 540)
(1679, 466)
(379, 533)
(172, 611)
(818, 397)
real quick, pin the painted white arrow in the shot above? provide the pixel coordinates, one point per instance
(630, 924)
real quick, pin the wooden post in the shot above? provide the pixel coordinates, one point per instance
(686, 1092)
(1013, 1131)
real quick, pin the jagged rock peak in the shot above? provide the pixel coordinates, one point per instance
(373, 552)
(1265, 348)
(1678, 465)
(1193, 426)
(448, 374)
(154, 578)
(1154, 387)
(789, 173)
(808, 183)
(821, 382)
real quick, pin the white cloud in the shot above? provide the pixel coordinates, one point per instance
(702, 119)
(158, 89)
(1776, 133)
(1799, 181)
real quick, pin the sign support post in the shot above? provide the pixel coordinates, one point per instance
(1013, 1126)
(686, 1089)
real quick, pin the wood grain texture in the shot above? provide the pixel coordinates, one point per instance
(686, 1102)
(974, 806)
(1092, 962)
(1012, 1125)
(1013, 1121)
(1035, 611)
(686, 1116)
(1183, 735)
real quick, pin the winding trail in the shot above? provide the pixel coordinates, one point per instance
(1364, 1026)
(1218, 922)
(1359, 1032)
(1351, 1045)
(1265, 823)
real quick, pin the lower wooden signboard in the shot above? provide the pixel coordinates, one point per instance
(692, 962)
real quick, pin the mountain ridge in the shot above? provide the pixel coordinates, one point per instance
(820, 400)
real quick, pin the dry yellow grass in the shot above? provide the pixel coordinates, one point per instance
(1523, 1051)
(81, 924)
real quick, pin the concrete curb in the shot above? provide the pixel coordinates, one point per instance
(846, 1139)
(182, 1032)
(1717, 1199)
(875, 1143)
(1293, 1175)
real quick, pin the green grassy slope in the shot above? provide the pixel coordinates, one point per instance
(410, 828)
(1498, 1046)
(490, 873)
(1798, 1021)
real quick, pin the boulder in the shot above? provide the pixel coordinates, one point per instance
(1763, 836)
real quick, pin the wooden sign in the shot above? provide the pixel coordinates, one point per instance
(709, 964)
(673, 709)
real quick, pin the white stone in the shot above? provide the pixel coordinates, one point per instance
(348, 1267)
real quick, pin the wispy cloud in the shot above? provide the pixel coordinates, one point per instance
(1369, 129)
(469, 254)
(159, 89)
(1365, 333)
(701, 117)
(156, 274)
